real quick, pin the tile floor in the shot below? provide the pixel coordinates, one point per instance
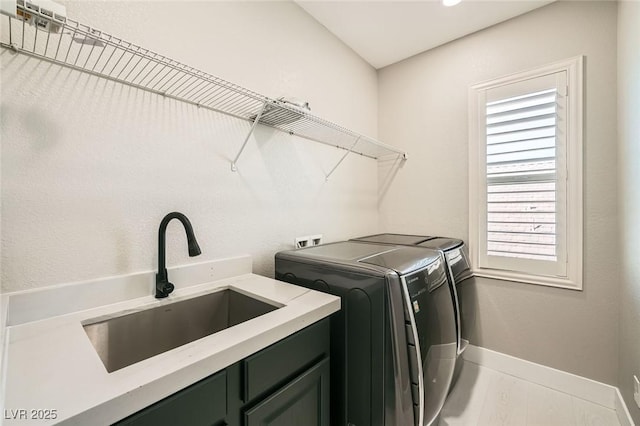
(486, 397)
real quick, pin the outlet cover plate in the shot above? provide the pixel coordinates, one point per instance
(315, 240)
(636, 390)
(301, 242)
(307, 241)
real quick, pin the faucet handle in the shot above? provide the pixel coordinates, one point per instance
(168, 288)
(163, 289)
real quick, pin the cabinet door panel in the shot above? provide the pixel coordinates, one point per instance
(276, 365)
(201, 404)
(304, 401)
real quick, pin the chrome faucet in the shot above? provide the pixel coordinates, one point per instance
(163, 286)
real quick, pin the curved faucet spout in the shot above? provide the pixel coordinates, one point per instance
(163, 286)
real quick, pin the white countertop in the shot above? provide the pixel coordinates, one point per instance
(51, 364)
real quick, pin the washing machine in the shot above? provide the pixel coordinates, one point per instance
(458, 274)
(393, 343)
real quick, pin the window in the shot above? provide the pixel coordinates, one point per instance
(525, 181)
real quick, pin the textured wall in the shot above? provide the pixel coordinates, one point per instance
(629, 134)
(89, 166)
(424, 109)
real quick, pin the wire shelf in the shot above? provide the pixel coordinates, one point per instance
(69, 43)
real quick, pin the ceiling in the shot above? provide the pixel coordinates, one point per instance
(387, 31)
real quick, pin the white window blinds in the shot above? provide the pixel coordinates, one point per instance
(523, 188)
(521, 176)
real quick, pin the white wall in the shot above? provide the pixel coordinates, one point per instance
(423, 109)
(90, 167)
(629, 160)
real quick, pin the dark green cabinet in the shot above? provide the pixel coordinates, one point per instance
(284, 384)
(304, 401)
(201, 404)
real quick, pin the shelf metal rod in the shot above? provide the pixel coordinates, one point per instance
(342, 159)
(253, 126)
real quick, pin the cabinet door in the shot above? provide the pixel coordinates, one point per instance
(201, 404)
(303, 401)
(280, 363)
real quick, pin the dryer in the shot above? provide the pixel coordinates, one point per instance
(458, 271)
(393, 343)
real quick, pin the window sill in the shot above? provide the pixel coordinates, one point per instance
(565, 283)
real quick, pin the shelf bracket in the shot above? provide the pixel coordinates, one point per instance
(342, 159)
(244, 144)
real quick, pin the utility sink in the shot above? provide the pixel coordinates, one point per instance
(124, 340)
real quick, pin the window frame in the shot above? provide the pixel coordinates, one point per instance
(573, 220)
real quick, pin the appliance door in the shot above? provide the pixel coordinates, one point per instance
(460, 271)
(459, 264)
(431, 323)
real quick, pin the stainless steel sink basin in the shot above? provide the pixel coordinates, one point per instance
(130, 338)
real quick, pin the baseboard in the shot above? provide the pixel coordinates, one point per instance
(624, 417)
(578, 386)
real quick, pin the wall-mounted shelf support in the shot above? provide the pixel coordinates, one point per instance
(253, 126)
(342, 159)
(66, 42)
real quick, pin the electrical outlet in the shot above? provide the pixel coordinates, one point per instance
(309, 240)
(315, 240)
(636, 390)
(301, 242)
